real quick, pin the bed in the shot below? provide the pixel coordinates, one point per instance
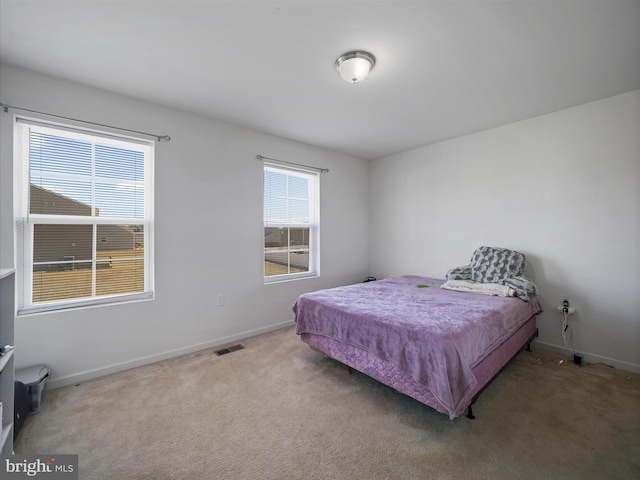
(439, 346)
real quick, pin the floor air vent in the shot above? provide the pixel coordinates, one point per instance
(230, 349)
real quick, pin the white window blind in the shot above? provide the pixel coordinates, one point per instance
(291, 223)
(84, 214)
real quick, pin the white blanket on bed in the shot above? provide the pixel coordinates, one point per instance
(477, 287)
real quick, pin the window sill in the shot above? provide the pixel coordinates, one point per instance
(103, 302)
(289, 278)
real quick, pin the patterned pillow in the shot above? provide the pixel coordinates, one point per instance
(459, 273)
(524, 288)
(492, 265)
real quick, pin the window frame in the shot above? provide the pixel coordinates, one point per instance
(25, 221)
(313, 224)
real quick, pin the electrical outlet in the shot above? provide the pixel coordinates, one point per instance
(565, 308)
(220, 299)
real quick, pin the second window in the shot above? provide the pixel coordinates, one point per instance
(291, 223)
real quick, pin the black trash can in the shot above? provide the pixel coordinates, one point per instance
(34, 378)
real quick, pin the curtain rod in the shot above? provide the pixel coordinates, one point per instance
(322, 170)
(166, 138)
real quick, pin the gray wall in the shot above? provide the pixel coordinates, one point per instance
(208, 235)
(562, 188)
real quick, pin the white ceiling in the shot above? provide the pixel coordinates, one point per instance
(444, 68)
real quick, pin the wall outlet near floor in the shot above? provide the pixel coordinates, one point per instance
(220, 300)
(578, 359)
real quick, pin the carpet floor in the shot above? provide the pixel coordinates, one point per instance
(278, 410)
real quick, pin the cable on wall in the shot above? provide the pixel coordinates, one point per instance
(565, 326)
(322, 170)
(160, 138)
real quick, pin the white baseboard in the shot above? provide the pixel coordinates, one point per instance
(138, 362)
(590, 357)
(87, 375)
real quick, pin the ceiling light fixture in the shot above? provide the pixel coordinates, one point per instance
(354, 66)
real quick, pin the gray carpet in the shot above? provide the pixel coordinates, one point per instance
(278, 410)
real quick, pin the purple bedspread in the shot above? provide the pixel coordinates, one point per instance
(435, 335)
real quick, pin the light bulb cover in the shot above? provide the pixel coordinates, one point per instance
(354, 66)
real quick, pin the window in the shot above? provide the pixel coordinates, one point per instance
(84, 217)
(291, 223)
